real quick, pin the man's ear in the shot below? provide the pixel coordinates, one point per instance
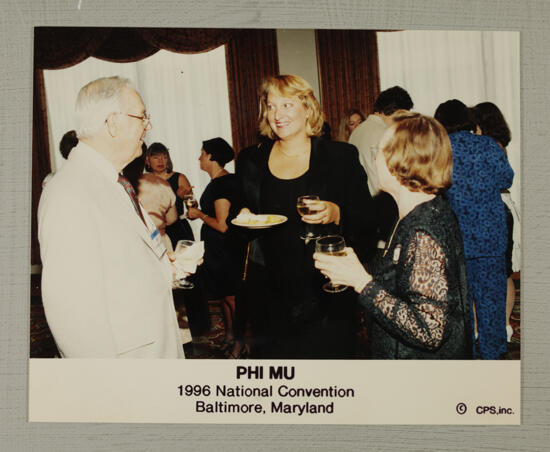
(112, 124)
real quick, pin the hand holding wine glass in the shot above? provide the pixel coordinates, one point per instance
(180, 277)
(307, 205)
(321, 212)
(332, 245)
(342, 267)
(190, 201)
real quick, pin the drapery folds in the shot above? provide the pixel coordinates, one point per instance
(348, 71)
(250, 56)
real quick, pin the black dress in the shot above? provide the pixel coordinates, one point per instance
(181, 229)
(293, 317)
(304, 322)
(221, 271)
(417, 304)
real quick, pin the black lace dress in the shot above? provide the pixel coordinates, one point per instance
(417, 304)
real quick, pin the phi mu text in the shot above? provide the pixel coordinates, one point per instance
(273, 372)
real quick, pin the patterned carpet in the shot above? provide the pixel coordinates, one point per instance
(209, 345)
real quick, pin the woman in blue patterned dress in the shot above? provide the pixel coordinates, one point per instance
(480, 171)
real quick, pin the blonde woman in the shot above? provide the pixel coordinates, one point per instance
(293, 317)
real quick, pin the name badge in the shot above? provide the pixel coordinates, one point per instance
(158, 244)
(396, 254)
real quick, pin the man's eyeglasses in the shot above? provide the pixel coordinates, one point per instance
(145, 118)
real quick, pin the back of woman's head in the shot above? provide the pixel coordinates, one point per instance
(418, 153)
(67, 143)
(156, 149)
(491, 121)
(134, 170)
(454, 116)
(219, 150)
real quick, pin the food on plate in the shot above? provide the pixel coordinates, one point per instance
(251, 219)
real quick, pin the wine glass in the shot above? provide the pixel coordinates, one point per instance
(303, 204)
(333, 245)
(181, 281)
(190, 201)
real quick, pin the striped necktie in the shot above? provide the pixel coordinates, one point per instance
(132, 194)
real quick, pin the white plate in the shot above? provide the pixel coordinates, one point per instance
(262, 221)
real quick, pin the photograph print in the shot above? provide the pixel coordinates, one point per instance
(275, 194)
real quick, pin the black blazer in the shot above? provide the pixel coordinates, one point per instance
(335, 174)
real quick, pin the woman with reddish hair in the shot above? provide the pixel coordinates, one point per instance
(416, 299)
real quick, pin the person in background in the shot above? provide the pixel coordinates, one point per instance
(490, 121)
(295, 318)
(134, 170)
(154, 194)
(159, 163)
(351, 119)
(368, 133)
(103, 260)
(366, 137)
(416, 300)
(480, 171)
(66, 145)
(221, 268)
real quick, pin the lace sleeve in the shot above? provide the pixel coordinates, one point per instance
(420, 316)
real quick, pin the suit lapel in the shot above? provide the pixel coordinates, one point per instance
(257, 173)
(317, 174)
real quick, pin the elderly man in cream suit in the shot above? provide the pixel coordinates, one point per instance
(106, 279)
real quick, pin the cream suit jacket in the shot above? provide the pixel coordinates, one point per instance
(106, 285)
(365, 138)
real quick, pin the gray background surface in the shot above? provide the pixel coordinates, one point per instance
(17, 19)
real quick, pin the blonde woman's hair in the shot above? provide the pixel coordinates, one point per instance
(289, 86)
(418, 153)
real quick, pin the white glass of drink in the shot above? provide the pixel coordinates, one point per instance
(333, 245)
(181, 281)
(306, 205)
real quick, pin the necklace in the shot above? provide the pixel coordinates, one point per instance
(280, 149)
(391, 238)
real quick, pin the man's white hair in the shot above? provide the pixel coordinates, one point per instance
(96, 101)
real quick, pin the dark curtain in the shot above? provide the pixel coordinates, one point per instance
(348, 72)
(40, 156)
(251, 55)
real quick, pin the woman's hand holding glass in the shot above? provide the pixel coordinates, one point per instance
(193, 212)
(344, 270)
(322, 212)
